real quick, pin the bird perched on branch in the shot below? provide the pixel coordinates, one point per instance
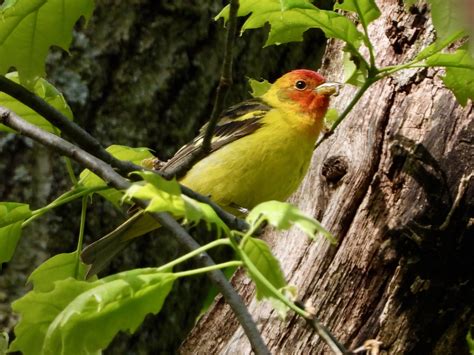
(260, 151)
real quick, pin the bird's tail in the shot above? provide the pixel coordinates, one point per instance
(102, 251)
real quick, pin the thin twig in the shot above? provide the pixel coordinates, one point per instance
(114, 179)
(93, 146)
(347, 110)
(323, 332)
(225, 83)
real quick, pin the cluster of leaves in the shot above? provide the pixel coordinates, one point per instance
(62, 302)
(289, 19)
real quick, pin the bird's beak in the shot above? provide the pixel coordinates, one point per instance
(328, 89)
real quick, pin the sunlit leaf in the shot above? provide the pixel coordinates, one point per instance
(165, 196)
(459, 72)
(261, 256)
(259, 87)
(44, 90)
(439, 45)
(29, 28)
(12, 215)
(78, 317)
(283, 215)
(290, 19)
(447, 17)
(366, 10)
(59, 267)
(136, 155)
(355, 70)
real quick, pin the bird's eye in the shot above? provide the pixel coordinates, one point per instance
(300, 85)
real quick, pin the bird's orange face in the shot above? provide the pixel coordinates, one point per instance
(308, 90)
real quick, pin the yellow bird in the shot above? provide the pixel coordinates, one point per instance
(261, 151)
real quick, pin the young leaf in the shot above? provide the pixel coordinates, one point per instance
(12, 215)
(29, 28)
(447, 17)
(355, 70)
(261, 256)
(165, 196)
(366, 10)
(51, 321)
(439, 45)
(38, 310)
(459, 76)
(59, 267)
(290, 19)
(47, 92)
(100, 313)
(259, 87)
(136, 155)
(283, 215)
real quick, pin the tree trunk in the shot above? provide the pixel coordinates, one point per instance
(143, 73)
(384, 185)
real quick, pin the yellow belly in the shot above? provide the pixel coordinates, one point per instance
(267, 165)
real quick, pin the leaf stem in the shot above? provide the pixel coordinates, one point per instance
(202, 270)
(63, 199)
(80, 239)
(348, 109)
(70, 171)
(194, 253)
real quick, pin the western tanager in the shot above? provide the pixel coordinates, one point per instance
(260, 151)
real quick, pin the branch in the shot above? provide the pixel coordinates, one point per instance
(225, 83)
(67, 127)
(107, 173)
(93, 146)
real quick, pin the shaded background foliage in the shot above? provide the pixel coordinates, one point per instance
(143, 73)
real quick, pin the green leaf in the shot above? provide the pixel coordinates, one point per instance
(136, 155)
(261, 256)
(366, 10)
(165, 196)
(44, 90)
(355, 70)
(459, 76)
(79, 317)
(12, 215)
(59, 267)
(4, 339)
(470, 342)
(439, 45)
(290, 19)
(331, 116)
(447, 17)
(29, 28)
(259, 88)
(283, 215)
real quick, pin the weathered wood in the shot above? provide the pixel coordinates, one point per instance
(394, 276)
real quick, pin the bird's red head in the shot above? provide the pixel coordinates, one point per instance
(307, 90)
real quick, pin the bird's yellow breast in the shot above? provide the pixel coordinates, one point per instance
(266, 165)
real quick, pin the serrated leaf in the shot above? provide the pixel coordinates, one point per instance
(51, 321)
(366, 10)
(165, 196)
(12, 215)
(136, 155)
(44, 90)
(29, 28)
(259, 88)
(59, 267)
(261, 256)
(291, 19)
(447, 17)
(459, 76)
(283, 215)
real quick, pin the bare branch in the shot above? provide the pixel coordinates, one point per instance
(225, 83)
(114, 179)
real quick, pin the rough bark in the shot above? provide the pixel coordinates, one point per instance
(143, 73)
(383, 184)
